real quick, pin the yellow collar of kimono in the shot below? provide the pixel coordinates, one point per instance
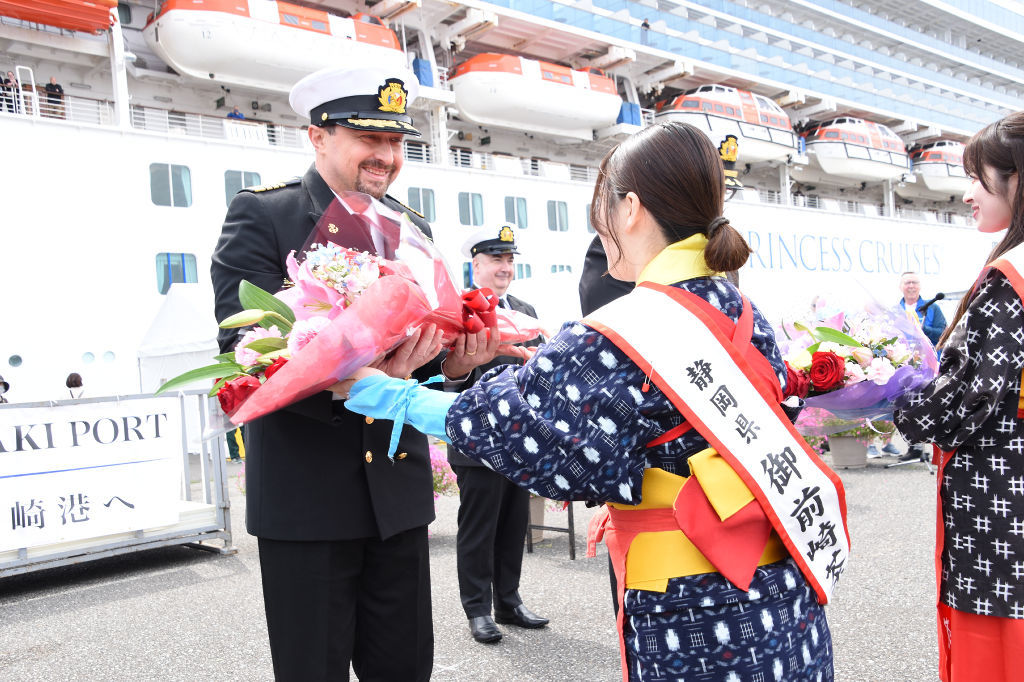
(678, 262)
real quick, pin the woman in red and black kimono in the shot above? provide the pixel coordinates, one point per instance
(972, 412)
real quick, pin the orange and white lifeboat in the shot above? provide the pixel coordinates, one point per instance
(938, 171)
(853, 149)
(515, 92)
(264, 43)
(762, 129)
(90, 16)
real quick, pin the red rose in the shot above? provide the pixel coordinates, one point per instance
(797, 383)
(827, 370)
(277, 364)
(232, 393)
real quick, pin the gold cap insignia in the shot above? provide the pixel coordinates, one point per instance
(506, 234)
(393, 96)
(332, 228)
(323, 116)
(729, 149)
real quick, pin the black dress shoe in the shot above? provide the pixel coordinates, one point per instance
(484, 630)
(521, 616)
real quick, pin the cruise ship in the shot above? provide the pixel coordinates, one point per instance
(849, 118)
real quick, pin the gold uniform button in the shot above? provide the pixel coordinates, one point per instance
(369, 420)
(403, 455)
(369, 456)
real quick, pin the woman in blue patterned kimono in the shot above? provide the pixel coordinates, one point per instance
(582, 421)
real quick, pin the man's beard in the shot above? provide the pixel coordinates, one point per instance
(378, 189)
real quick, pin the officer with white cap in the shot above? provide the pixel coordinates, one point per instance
(342, 531)
(493, 512)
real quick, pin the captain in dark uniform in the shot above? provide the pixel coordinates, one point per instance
(342, 530)
(493, 512)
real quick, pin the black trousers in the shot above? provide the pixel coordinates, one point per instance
(366, 601)
(493, 515)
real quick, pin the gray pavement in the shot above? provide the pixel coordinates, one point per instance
(181, 614)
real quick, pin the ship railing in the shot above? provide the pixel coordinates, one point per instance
(249, 133)
(648, 116)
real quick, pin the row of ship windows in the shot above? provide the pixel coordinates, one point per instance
(471, 210)
(171, 185)
(181, 267)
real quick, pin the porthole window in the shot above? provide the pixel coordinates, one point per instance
(108, 356)
(88, 358)
(14, 361)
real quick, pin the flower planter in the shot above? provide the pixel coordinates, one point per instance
(537, 517)
(847, 452)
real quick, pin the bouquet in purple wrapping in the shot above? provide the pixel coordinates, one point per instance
(855, 368)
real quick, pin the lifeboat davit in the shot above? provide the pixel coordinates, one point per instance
(515, 92)
(762, 129)
(938, 171)
(853, 149)
(264, 43)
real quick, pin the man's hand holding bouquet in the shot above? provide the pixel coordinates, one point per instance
(368, 289)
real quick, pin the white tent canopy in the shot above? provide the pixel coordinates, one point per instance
(183, 336)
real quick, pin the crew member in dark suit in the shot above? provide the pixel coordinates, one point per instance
(342, 530)
(493, 512)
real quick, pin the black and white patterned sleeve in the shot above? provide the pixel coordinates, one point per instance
(982, 360)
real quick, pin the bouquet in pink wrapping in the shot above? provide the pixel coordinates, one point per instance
(365, 280)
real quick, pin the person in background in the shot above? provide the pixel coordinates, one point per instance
(928, 316)
(55, 98)
(74, 383)
(235, 113)
(12, 90)
(925, 314)
(4, 387)
(972, 413)
(493, 512)
(236, 444)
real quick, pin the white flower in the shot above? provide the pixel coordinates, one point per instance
(503, 408)
(607, 425)
(562, 426)
(837, 348)
(625, 493)
(672, 640)
(561, 482)
(530, 444)
(638, 397)
(533, 400)
(467, 425)
(880, 371)
(572, 392)
(578, 329)
(607, 359)
(591, 454)
(543, 363)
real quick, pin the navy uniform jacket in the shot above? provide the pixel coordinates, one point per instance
(456, 458)
(314, 471)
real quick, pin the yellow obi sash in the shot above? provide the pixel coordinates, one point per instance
(654, 557)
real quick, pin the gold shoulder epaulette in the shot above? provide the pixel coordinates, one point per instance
(407, 208)
(279, 185)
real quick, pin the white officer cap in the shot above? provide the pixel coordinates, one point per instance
(491, 240)
(362, 98)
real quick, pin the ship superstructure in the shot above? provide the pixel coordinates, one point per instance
(132, 168)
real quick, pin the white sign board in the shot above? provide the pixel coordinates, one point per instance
(69, 472)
